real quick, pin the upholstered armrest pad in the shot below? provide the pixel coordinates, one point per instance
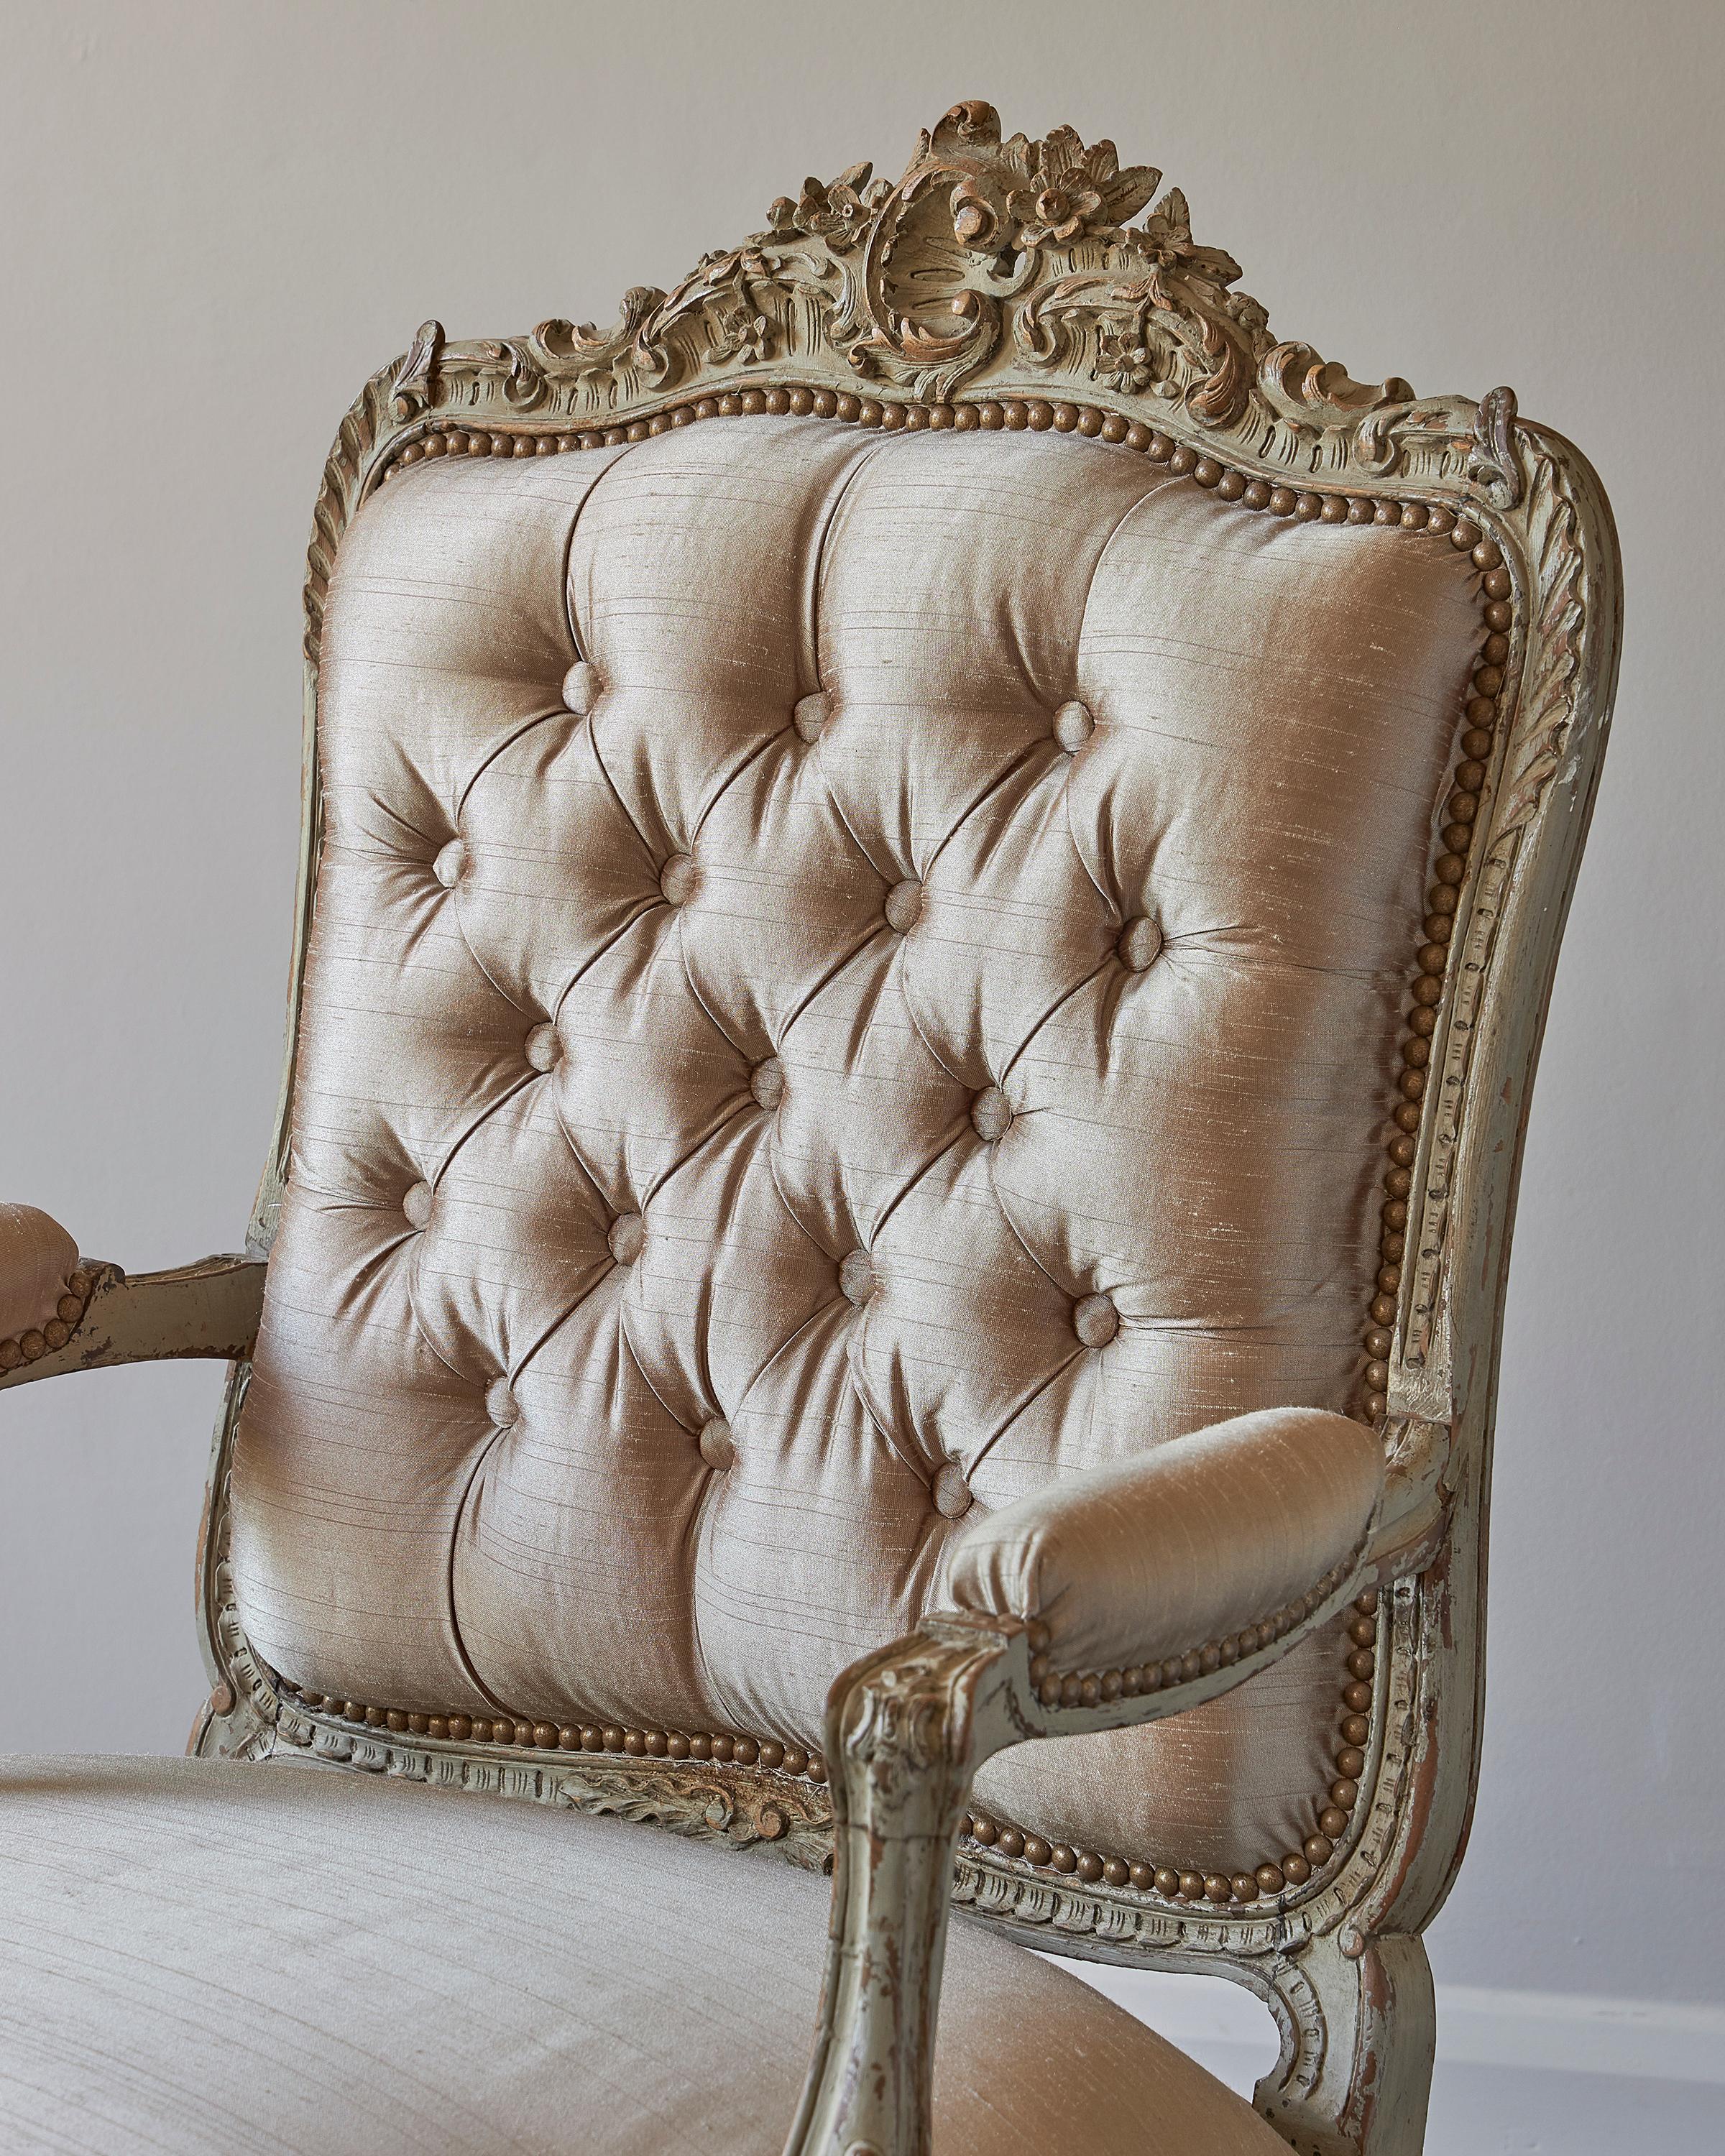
(38, 1261)
(1155, 1556)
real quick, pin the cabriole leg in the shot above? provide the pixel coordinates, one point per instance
(1358, 2035)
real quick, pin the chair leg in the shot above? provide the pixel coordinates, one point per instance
(1358, 2035)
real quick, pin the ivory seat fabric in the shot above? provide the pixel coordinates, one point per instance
(206, 1957)
(852, 976)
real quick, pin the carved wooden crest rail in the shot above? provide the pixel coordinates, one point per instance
(989, 261)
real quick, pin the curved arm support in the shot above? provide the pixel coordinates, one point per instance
(210, 1309)
(906, 1730)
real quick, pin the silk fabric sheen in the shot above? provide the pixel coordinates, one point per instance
(234, 1960)
(624, 1033)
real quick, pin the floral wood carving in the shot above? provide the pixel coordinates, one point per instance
(992, 262)
(1009, 252)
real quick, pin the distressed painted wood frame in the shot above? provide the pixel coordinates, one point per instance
(999, 284)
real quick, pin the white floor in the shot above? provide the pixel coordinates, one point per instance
(1518, 2073)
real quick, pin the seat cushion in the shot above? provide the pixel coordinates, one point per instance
(198, 1955)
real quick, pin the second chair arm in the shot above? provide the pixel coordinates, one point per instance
(59, 1312)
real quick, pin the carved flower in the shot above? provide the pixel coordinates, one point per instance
(1123, 359)
(840, 214)
(1249, 314)
(738, 331)
(976, 222)
(1070, 189)
(1166, 238)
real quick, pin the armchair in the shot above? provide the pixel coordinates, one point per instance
(931, 873)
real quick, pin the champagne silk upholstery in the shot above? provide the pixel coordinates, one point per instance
(227, 1960)
(1142, 1560)
(823, 1072)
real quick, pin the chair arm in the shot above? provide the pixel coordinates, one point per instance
(60, 1312)
(1126, 1566)
(1127, 1595)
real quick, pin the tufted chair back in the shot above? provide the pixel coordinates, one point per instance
(855, 971)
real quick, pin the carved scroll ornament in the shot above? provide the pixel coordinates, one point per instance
(991, 261)
(992, 257)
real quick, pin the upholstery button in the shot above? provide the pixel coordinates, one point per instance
(416, 1203)
(677, 878)
(1073, 726)
(501, 1404)
(904, 906)
(856, 1277)
(991, 1114)
(1095, 1320)
(767, 1082)
(811, 714)
(580, 687)
(718, 1448)
(628, 1235)
(449, 863)
(544, 1050)
(1139, 943)
(951, 1493)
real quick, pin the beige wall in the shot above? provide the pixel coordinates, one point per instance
(218, 218)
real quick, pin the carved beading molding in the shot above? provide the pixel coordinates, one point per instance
(708, 1802)
(1560, 553)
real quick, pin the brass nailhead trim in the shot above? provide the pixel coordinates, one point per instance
(1014, 415)
(1092, 1688)
(677, 1744)
(40, 1340)
(1437, 933)
(1333, 1809)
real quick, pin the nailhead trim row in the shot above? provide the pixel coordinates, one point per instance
(1436, 933)
(55, 1332)
(1092, 1688)
(1333, 1809)
(1267, 1881)
(573, 1737)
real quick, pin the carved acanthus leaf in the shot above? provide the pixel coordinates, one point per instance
(415, 384)
(1494, 457)
(733, 1804)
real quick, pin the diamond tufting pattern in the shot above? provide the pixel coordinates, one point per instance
(849, 977)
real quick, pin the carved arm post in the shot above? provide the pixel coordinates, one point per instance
(906, 1730)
